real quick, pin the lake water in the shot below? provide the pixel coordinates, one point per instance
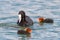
(34, 8)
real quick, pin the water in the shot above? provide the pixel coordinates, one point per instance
(34, 8)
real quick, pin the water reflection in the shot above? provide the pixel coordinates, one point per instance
(24, 37)
(41, 24)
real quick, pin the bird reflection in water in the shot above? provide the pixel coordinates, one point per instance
(24, 37)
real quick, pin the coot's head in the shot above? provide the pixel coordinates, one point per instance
(28, 30)
(41, 19)
(21, 15)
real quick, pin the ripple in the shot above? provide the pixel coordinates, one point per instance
(34, 9)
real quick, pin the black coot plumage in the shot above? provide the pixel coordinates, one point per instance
(48, 20)
(24, 20)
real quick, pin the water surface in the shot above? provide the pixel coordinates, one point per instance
(34, 8)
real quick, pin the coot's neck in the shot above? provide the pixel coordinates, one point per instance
(23, 19)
